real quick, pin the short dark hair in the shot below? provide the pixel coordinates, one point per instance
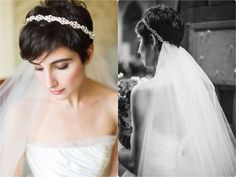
(165, 21)
(37, 38)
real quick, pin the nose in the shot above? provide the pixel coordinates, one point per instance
(51, 81)
(138, 52)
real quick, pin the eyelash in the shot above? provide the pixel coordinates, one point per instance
(62, 67)
(57, 67)
(38, 69)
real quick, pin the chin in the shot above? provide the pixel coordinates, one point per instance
(60, 97)
(144, 63)
(147, 65)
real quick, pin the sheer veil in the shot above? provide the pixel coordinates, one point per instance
(186, 131)
(16, 117)
(21, 104)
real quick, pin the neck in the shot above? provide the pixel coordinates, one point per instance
(156, 59)
(76, 99)
(155, 55)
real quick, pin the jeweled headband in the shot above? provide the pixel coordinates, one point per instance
(62, 21)
(152, 31)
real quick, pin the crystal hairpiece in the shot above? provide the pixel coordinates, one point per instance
(152, 31)
(62, 21)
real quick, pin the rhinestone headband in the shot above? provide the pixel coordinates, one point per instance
(152, 31)
(62, 21)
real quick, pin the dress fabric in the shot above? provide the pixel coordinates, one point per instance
(165, 158)
(186, 132)
(20, 91)
(88, 158)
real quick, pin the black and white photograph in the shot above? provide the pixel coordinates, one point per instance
(176, 86)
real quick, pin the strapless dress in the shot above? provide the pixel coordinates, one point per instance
(88, 158)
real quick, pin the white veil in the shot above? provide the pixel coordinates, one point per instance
(186, 131)
(16, 116)
(21, 98)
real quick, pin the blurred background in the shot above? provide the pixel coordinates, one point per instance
(209, 38)
(12, 18)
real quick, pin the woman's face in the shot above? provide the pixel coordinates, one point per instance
(62, 72)
(147, 53)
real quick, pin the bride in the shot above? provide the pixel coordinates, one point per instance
(56, 113)
(179, 126)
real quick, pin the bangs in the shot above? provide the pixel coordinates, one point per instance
(36, 40)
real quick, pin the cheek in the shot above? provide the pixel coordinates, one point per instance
(40, 76)
(149, 57)
(144, 50)
(74, 76)
(141, 48)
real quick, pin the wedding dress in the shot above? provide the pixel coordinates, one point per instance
(22, 107)
(186, 131)
(88, 158)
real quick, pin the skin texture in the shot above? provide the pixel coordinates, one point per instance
(61, 69)
(84, 110)
(139, 105)
(149, 52)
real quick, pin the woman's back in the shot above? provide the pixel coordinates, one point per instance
(182, 121)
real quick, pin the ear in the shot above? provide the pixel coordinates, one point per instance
(90, 51)
(153, 41)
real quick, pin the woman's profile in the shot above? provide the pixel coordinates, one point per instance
(55, 113)
(179, 126)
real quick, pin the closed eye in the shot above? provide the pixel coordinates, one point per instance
(62, 67)
(38, 69)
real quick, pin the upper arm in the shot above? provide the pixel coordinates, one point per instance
(20, 167)
(113, 108)
(114, 160)
(139, 106)
(114, 104)
(14, 136)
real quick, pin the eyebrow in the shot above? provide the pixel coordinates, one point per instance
(54, 62)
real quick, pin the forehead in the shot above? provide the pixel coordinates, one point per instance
(58, 53)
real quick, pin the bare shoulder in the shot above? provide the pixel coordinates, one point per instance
(140, 99)
(140, 96)
(108, 98)
(105, 93)
(141, 91)
(111, 102)
(19, 107)
(149, 87)
(20, 111)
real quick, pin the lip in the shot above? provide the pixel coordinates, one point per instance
(56, 92)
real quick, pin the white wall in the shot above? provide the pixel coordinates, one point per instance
(12, 15)
(7, 39)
